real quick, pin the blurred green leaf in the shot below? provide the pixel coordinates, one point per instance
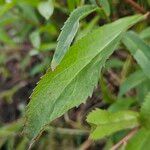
(8, 19)
(11, 129)
(31, 3)
(23, 144)
(35, 39)
(113, 63)
(143, 90)
(121, 104)
(140, 141)
(47, 46)
(27, 13)
(6, 7)
(105, 123)
(5, 38)
(90, 26)
(145, 34)
(71, 4)
(106, 93)
(40, 67)
(126, 68)
(105, 5)
(132, 81)
(145, 111)
(46, 8)
(139, 49)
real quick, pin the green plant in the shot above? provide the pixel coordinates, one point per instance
(84, 57)
(74, 78)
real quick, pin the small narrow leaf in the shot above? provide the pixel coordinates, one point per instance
(4, 37)
(145, 112)
(46, 9)
(139, 49)
(105, 5)
(71, 4)
(6, 7)
(132, 81)
(108, 97)
(35, 39)
(11, 129)
(76, 76)
(114, 63)
(105, 123)
(90, 26)
(121, 104)
(28, 12)
(145, 34)
(68, 32)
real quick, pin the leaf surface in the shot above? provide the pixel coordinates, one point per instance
(139, 141)
(68, 32)
(105, 5)
(121, 104)
(74, 79)
(105, 123)
(145, 111)
(35, 39)
(46, 9)
(132, 81)
(145, 34)
(139, 49)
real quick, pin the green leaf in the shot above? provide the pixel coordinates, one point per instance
(68, 32)
(76, 76)
(22, 145)
(5, 38)
(40, 67)
(106, 94)
(114, 63)
(35, 39)
(145, 112)
(132, 81)
(47, 46)
(28, 12)
(145, 34)
(71, 4)
(11, 129)
(6, 7)
(121, 104)
(143, 90)
(105, 123)
(105, 5)
(140, 141)
(31, 3)
(89, 27)
(139, 49)
(46, 9)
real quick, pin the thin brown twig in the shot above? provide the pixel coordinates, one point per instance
(125, 139)
(136, 6)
